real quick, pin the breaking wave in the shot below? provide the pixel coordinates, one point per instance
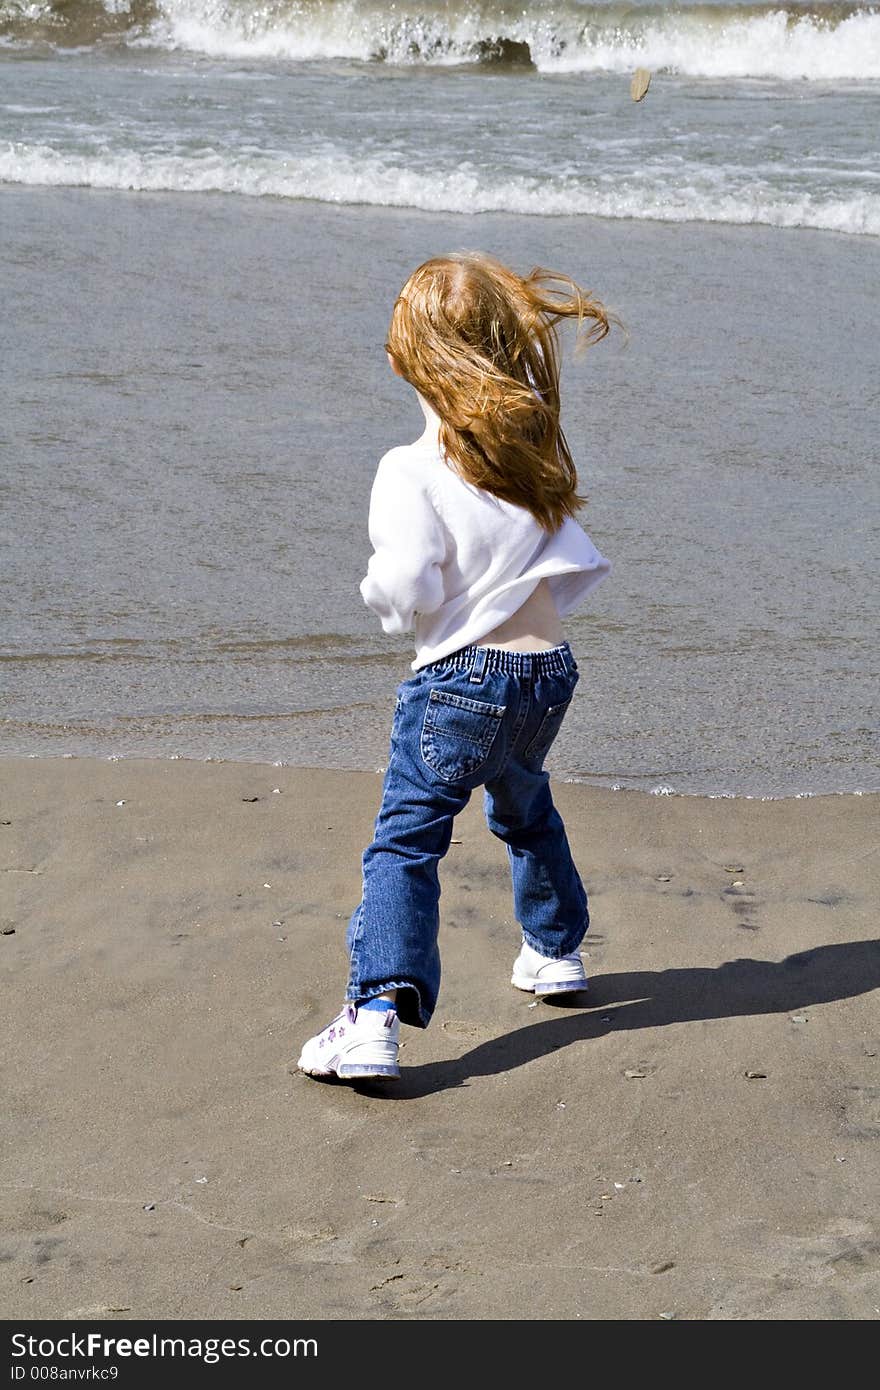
(822, 42)
(334, 176)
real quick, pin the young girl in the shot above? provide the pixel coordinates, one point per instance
(477, 549)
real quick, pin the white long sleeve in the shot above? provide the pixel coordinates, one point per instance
(453, 562)
(404, 576)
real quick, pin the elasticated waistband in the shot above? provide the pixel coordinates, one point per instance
(552, 661)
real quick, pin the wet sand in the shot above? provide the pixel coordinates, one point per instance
(696, 1139)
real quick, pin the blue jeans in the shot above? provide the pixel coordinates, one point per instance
(482, 716)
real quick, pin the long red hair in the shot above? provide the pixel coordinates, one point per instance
(479, 344)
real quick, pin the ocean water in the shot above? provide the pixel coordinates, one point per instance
(757, 113)
(207, 210)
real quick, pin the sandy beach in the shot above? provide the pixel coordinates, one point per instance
(696, 1139)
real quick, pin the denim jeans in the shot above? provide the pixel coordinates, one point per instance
(482, 716)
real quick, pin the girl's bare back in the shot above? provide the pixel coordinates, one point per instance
(533, 627)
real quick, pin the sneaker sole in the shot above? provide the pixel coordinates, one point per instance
(363, 1069)
(550, 986)
(349, 1071)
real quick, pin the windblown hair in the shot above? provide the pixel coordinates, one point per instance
(479, 344)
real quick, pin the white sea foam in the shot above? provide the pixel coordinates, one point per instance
(333, 176)
(768, 45)
(827, 41)
(711, 41)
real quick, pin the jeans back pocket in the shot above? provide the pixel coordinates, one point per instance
(458, 734)
(537, 750)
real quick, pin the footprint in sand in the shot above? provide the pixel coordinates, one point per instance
(404, 1293)
(861, 1109)
(742, 902)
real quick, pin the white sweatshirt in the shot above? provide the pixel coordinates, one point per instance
(453, 562)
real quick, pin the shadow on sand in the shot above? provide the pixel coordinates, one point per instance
(653, 998)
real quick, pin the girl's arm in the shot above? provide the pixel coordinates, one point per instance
(404, 575)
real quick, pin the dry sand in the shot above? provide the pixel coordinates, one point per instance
(169, 941)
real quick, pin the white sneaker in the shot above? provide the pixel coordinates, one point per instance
(358, 1043)
(542, 975)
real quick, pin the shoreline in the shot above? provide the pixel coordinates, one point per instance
(662, 791)
(698, 1134)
